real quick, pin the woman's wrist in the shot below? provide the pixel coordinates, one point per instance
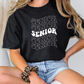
(28, 72)
(32, 73)
(67, 55)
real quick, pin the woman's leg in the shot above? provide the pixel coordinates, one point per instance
(10, 75)
(69, 76)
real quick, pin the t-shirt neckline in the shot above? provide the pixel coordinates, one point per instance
(39, 8)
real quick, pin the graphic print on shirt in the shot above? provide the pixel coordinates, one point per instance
(43, 32)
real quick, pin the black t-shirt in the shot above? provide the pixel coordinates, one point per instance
(41, 33)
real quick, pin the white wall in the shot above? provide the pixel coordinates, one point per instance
(76, 61)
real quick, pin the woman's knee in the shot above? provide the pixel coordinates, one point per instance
(6, 72)
(3, 71)
(3, 79)
(10, 71)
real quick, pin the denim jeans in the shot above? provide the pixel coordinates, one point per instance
(49, 69)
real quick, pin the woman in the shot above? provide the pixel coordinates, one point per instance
(37, 35)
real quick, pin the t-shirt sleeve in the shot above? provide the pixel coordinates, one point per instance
(72, 31)
(11, 39)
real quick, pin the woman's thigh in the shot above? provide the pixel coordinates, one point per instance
(69, 76)
(10, 71)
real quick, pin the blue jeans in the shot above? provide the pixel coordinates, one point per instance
(49, 69)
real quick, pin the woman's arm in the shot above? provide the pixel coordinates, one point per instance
(76, 47)
(20, 63)
(17, 59)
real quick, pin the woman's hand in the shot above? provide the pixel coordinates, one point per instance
(35, 79)
(66, 60)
